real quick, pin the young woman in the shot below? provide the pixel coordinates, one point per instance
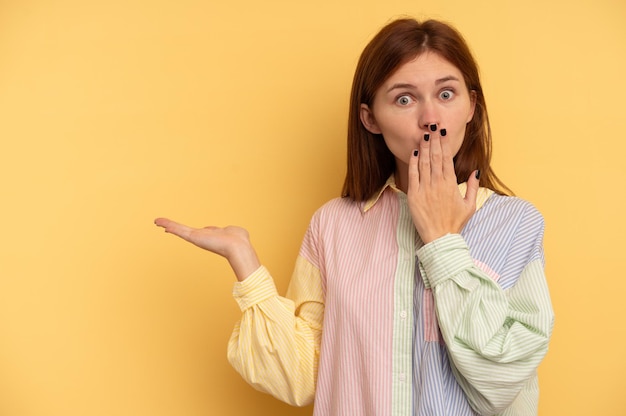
(418, 292)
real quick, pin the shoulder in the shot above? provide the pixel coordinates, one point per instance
(506, 233)
(511, 207)
(339, 203)
(507, 216)
(337, 208)
(327, 222)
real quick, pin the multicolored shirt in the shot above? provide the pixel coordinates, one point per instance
(377, 323)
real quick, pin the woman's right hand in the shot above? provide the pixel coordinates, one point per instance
(232, 243)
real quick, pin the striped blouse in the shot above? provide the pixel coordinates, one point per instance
(376, 323)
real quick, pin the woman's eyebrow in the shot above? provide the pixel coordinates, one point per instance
(446, 79)
(401, 86)
(404, 85)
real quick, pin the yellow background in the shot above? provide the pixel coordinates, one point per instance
(215, 112)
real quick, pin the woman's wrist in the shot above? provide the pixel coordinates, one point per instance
(243, 260)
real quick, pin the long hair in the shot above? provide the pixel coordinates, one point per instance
(370, 162)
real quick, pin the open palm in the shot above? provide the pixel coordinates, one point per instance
(231, 242)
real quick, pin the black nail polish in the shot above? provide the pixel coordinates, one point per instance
(478, 174)
(443, 132)
(433, 127)
(426, 137)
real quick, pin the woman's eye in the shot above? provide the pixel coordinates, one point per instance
(404, 100)
(446, 95)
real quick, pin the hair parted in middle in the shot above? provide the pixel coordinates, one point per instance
(370, 162)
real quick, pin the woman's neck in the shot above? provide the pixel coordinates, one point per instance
(401, 176)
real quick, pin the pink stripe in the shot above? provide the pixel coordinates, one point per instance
(359, 257)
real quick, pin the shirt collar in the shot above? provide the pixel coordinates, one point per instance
(481, 198)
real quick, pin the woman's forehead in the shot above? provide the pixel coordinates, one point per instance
(425, 67)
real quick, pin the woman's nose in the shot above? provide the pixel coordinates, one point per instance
(429, 117)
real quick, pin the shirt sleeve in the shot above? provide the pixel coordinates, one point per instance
(495, 338)
(275, 346)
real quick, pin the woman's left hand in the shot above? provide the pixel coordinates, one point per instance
(436, 205)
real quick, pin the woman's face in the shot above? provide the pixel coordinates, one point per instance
(427, 90)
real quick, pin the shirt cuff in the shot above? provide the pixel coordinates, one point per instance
(443, 258)
(256, 288)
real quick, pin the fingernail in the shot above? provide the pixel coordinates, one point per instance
(478, 174)
(443, 132)
(415, 153)
(433, 127)
(426, 137)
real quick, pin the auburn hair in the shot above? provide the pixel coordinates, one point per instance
(370, 162)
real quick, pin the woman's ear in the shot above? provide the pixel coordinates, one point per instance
(472, 106)
(368, 120)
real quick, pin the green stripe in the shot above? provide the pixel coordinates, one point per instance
(403, 313)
